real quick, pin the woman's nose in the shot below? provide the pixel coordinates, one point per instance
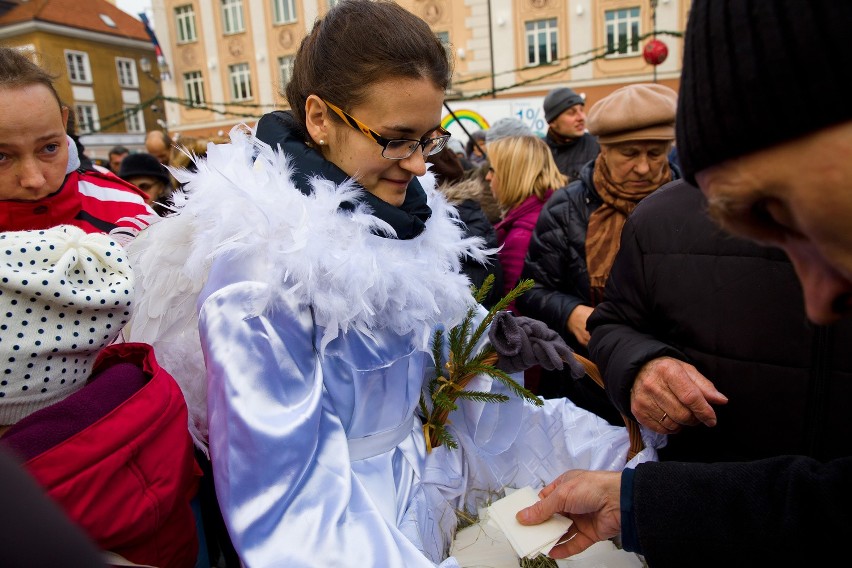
(415, 163)
(30, 174)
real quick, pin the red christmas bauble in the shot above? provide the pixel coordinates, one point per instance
(655, 52)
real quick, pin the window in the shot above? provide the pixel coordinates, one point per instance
(87, 118)
(232, 16)
(78, 66)
(185, 21)
(134, 121)
(542, 42)
(284, 11)
(193, 87)
(622, 31)
(444, 38)
(285, 70)
(127, 72)
(240, 81)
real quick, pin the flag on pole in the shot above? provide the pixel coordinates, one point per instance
(165, 75)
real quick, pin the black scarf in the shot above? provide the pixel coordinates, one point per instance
(279, 128)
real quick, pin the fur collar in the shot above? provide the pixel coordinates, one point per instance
(242, 200)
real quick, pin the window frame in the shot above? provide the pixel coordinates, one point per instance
(134, 113)
(84, 65)
(631, 18)
(82, 127)
(233, 21)
(239, 74)
(284, 12)
(185, 14)
(532, 36)
(193, 84)
(285, 67)
(133, 76)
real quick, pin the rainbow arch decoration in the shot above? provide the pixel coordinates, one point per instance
(465, 115)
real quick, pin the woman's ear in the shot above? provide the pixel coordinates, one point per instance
(317, 120)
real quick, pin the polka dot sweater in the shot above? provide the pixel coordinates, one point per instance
(64, 296)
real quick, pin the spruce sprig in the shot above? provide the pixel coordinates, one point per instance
(452, 376)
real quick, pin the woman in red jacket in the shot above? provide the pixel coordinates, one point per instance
(523, 176)
(42, 183)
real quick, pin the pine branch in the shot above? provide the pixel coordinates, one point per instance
(452, 378)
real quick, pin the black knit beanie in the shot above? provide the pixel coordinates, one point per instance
(757, 73)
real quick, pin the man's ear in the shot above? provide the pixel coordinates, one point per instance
(317, 119)
(65, 111)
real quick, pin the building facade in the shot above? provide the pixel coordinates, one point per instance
(104, 62)
(231, 58)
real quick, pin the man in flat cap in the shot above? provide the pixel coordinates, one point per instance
(572, 146)
(578, 232)
(782, 182)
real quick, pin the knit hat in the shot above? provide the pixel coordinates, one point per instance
(558, 101)
(456, 145)
(64, 296)
(506, 127)
(642, 111)
(142, 164)
(747, 64)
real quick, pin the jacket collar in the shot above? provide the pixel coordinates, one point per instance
(408, 220)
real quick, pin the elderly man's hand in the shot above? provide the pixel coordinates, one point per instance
(669, 394)
(590, 498)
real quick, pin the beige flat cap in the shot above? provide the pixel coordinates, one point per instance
(644, 111)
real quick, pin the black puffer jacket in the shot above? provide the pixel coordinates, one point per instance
(571, 156)
(681, 288)
(556, 258)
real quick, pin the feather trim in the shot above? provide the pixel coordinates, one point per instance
(241, 200)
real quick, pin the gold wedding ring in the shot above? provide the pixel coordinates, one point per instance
(665, 415)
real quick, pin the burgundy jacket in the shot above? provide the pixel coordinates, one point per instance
(513, 234)
(118, 458)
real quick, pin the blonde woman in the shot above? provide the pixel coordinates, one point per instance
(523, 176)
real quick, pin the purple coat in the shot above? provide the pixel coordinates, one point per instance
(513, 234)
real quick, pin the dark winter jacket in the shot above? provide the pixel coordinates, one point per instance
(571, 156)
(463, 195)
(682, 288)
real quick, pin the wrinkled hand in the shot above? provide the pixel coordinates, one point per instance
(577, 323)
(522, 342)
(590, 498)
(669, 394)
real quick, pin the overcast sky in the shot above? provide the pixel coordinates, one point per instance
(133, 7)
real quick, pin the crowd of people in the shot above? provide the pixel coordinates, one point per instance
(219, 354)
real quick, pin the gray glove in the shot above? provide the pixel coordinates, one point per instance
(523, 342)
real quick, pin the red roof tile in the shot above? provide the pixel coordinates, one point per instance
(80, 14)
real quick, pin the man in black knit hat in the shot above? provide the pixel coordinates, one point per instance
(571, 145)
(783, 178)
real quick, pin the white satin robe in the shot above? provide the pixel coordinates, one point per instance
(287, 419)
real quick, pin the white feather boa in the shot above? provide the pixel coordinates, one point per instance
(242, 201)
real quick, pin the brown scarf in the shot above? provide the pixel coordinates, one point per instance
(603, 235)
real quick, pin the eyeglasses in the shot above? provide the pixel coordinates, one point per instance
(394, 148)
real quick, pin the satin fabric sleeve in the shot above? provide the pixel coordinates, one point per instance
(280, 457)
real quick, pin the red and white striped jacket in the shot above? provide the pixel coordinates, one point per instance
(94, 201)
